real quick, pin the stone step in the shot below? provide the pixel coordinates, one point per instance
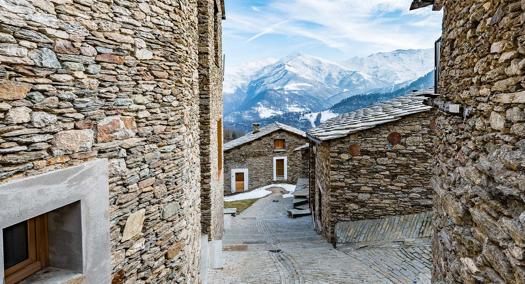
(294, 213)
(299, 202)
(303, 207)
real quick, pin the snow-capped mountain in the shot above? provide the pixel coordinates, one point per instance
(396, 67)
(305, 84)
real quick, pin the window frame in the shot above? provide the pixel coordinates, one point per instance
(275, 144)
(38, 251)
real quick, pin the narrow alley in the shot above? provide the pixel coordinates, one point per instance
(263, 245)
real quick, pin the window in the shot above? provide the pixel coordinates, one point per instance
(280, 171)
(437, 69)
(219, 148)
(25, 249)
(279, 144)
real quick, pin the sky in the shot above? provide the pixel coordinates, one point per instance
(330, 29)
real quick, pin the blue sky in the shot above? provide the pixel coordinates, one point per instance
(331, 29)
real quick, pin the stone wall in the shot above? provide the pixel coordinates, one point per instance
(211, 106)
(370, 178)
(88, 79)
(480, 171)
(320, 182)
(257, 157)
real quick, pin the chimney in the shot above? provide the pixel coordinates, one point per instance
(256, 127)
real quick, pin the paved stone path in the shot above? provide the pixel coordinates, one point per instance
(264, 246)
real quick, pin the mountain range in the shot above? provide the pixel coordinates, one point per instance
(303, 90)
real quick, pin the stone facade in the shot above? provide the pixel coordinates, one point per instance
(211, 106)
(363, 176)
(479, 174)
(116, 80)
(257, 156)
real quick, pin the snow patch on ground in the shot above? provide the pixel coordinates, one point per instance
(260, 192)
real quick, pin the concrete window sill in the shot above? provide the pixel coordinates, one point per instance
(51, 275)
(279, 150)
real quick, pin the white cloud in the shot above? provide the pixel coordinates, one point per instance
(341, 24)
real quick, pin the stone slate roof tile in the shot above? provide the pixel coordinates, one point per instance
(367, 118)
(262, 132)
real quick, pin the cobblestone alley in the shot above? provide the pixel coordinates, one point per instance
(263, 245)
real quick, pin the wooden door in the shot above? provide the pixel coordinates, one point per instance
(279, 168)
(239, 182)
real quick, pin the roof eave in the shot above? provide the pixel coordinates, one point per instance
(417, 4)
(313, 138)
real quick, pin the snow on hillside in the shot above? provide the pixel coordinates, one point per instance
(302, 84)
(397, 67)
(236, 76)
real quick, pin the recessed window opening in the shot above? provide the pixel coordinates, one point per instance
(25, 249)
(279, 144)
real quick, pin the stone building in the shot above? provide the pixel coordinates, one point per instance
(272, 154)
(371, 163)
(479, 173)
(211, 75)
(103, 105)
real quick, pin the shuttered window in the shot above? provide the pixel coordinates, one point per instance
(279, 144)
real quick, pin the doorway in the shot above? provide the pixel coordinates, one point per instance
(280, 171)
(239, 180)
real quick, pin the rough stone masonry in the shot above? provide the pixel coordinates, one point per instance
(479, 172)
(113, 79)
(362, 176)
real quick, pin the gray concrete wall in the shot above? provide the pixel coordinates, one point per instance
(86, 184)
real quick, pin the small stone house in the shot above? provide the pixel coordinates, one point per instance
(271, 154)
(371, 163)
(110, 141)
(479, 173)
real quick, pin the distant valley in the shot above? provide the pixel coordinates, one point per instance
(304, 91)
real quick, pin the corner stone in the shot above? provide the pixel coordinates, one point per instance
(133, 225)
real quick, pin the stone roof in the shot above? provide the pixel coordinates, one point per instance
(370, 117)
(262, 132)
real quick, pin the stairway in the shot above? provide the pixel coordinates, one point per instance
(301, 206)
